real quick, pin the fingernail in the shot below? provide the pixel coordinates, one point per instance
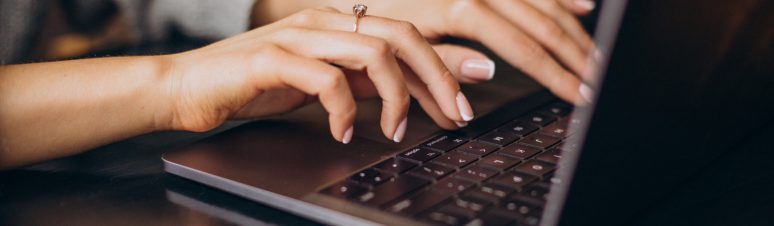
(400, 131)
(478, 69)
(586, 4)
(597, 54)
(347, 135)
(461, 124)
(586, 92)
(464, 106)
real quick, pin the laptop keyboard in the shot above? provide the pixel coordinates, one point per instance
(500, 177)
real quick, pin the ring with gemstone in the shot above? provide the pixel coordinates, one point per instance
(359, 10)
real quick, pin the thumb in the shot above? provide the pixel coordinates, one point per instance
(468, 65)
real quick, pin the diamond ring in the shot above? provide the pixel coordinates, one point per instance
(359, 10)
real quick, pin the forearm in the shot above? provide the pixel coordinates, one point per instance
(49, 110)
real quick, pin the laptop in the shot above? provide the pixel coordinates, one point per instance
(680, 84)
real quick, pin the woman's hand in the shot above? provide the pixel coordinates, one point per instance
(314, 53)
(541, 37)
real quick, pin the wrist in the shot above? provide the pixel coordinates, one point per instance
(160, 95)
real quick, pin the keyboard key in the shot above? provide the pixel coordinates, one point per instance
(530, 221)
(391, 190)
(537, 190)
(345, 189)
(446, 142)
(475, 173)
(498, 162)
(558, 130)
(370, 177)
(455, 159)
(519, 128)
(496, 190)
(519, 151)
(538, 118)
(395, 166)
(418, 203)
(500, 138)
(450, 214)
(495, 217)
(470, 204)
(453, 185)
(523, 205)
(431, 171)
(419, 154)
(480, 197)
(536, 168)
(514, 180)
(477, 148)
(558, 109)
(550, 156)
(539, 140)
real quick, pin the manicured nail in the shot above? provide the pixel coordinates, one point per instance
(478, 69)
(464, 106)
(586, 92)
(461, 124)
(400, 131)
(597, 54)
(347, 135)
(586, 4)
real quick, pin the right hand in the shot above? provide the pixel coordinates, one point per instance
(281, 66)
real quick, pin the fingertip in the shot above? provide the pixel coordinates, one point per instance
(586, 93)
(400, 132)
(579, 7)
(347, 136)
(466, 112)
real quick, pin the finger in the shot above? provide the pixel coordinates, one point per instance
(468, 65)
(425, 99)
(312, 77)
(543, 29)
(580, 7)
(566, 20)
(517, 48)
(409, 46)
(361, 53)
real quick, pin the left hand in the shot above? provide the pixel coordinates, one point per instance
(543, 38)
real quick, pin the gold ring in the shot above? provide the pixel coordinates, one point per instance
(359, 10)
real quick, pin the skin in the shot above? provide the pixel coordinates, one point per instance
(543, 38)
(55, 109)
(82, 104)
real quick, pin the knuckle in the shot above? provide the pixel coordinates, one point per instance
(533, 53)
(550, 32)
(405, 28)
(331, 79)
(446, 81)
(304, 17)
(264, 55)
(378, 48)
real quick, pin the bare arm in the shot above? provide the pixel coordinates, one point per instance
(49, 110)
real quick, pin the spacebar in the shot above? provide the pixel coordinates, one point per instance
(391, 190)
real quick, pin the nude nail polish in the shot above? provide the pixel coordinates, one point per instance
(400, 131)
(347, 135)
(478, 69)
(586, 4)
(586, 92)
(461, 124)
(466, 112)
